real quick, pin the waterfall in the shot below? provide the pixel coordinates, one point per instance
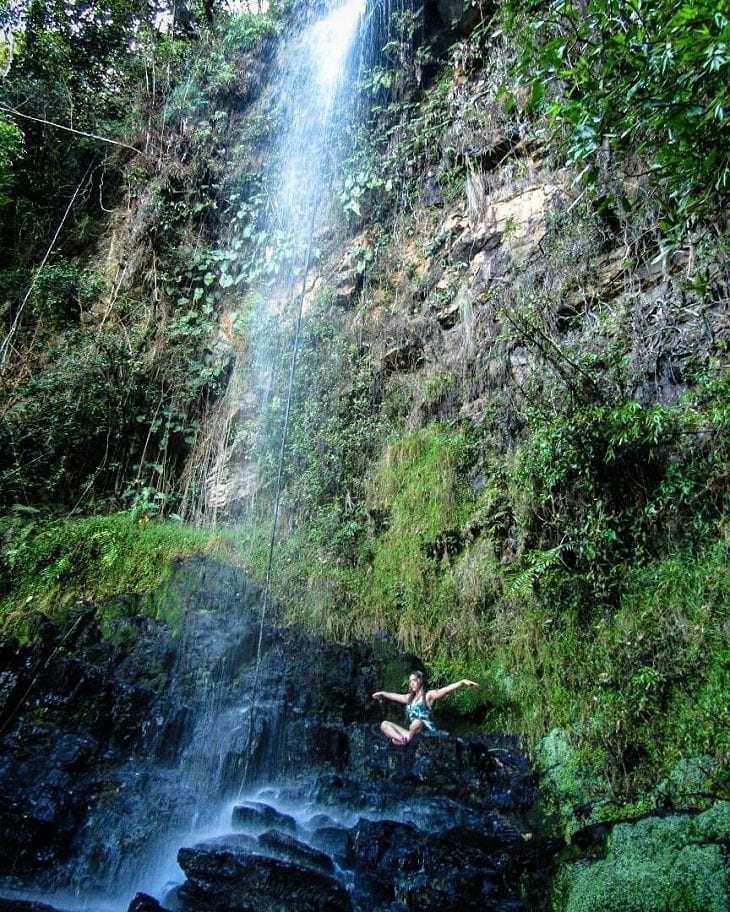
(201, 740)
(316, 87)
(314, 98)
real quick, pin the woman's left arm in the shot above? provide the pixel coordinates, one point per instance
(434, 695)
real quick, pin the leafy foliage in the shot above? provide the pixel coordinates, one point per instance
(637, 81)
(110, 417)
(11, 149)
(62, 293)
(48, 564)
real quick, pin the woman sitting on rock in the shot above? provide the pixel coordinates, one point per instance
(418, 702)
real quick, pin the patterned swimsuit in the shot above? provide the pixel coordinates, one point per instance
(419, 711)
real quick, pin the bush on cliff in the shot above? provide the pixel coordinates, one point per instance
(659, 864)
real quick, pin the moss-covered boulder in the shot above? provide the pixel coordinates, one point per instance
(669, 863)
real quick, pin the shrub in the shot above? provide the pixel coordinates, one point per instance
(63, 291)
(640, 80)
(656, 865)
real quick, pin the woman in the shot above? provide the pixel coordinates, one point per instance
(418, 702)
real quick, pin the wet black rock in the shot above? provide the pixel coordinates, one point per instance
(431, 854)
(110, 742)
(266, 875)
(11, 904)
(443, 825)
(478, 772)
(386, 853)
(336, 841)
(143, 902)
(280, 845)
(256, 815)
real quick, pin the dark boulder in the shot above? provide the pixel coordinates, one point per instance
(276, 875)
(475, 771)
(257, 816)
(142, 902)
(336, 841)
(385, 853)
(12, 904)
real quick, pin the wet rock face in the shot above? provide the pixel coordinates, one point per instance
(447, 20)
(71, 709)
(272, 872)
(82, 714)
(96, 726)
(380, 834)
(108, 743)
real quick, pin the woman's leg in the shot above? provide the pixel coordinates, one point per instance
(416, 727)
(394, 733)
(399, 735)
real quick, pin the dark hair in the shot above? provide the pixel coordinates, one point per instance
(421, 675)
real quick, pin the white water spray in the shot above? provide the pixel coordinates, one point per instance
(315, 89)
(315, 76)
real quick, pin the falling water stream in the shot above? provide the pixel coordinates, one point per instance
(316, 83)
(315, 79)
(312, 84)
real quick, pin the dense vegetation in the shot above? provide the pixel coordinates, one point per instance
(523, 479)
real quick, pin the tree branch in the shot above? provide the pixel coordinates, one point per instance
(50, 123)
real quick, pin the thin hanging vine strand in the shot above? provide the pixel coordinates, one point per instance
(277, 499)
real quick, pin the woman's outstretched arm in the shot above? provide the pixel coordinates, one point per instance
(395, 698)
(434, 695)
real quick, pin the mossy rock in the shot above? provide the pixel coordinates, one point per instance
(671, 863)
(693, 783)
(570, 778)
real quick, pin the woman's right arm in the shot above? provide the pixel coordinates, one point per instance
(395, 698)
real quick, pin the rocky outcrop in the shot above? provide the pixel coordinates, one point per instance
(102, 726)
(443, 824)
(272, 872)
(115, 738)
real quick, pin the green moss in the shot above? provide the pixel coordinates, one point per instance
(659, 864)
(418, 495)
(49, 564)
(693, 783)
(415, 574)
(571, 776)
(639, 688)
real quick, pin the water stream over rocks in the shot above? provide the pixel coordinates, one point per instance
(121, 773)
(132, 768)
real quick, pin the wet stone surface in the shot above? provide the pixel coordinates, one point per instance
(443, 824)
(109, 750)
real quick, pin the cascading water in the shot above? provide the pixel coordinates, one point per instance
(216, 732)
(315, 85)
(316, 102)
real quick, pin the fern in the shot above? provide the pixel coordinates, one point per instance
(535, 565)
